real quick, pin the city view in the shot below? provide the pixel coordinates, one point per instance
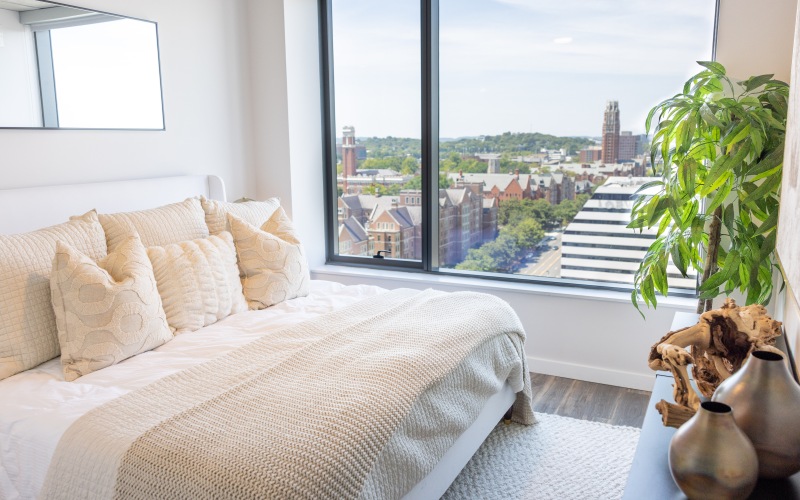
(552, 198)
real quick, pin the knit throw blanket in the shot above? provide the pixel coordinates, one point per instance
(303, 413)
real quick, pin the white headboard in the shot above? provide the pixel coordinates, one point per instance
(27, 209)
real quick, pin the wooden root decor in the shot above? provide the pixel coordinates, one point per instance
(716, 347)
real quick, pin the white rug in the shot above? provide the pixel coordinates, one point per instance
(558, 458)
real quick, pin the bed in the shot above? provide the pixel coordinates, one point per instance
(51, 431)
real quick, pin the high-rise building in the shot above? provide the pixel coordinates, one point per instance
(349, 153)
(611, 132)
(629, 146)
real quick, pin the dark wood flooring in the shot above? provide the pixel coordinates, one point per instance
(588, 401)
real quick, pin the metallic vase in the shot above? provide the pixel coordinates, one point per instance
(711, 458)
(766, 406)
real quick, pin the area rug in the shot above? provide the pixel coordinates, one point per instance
(559, 458)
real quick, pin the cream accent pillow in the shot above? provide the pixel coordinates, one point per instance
(198, 281)
(271, 259)
(106, 311)
(28, 334)
(157, 226)
(253, 212)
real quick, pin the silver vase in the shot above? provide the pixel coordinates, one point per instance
(711, 458)
(766, 406)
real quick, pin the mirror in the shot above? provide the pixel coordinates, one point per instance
(68, 67)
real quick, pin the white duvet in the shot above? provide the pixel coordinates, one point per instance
(37, 406)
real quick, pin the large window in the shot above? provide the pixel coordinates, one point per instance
(500, 138)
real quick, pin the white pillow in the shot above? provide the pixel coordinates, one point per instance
(28, 335)
(198, 281)
(253, 212)
(157, 226)
(106, 311)
(271, 259)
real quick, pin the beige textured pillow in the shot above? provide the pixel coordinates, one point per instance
(253, 212)
(157, 226)
(106, 311)
(198, 281)
(28, 335)
(271, 259)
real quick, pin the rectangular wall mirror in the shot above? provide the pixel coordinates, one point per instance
(69, 67)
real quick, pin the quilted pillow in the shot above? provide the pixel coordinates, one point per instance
(198, 281)
(157, 226)
(253, 212)
(28, 335)
(106, 311)
(271, 259)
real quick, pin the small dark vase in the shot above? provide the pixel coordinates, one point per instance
(710, 458)
(766, 405)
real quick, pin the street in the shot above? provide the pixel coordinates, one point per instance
(547, 261)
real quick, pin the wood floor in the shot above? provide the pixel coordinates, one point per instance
(588, 401)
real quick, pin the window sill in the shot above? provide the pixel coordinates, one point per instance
(394, 279)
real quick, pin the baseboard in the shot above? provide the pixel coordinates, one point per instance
(595, 374)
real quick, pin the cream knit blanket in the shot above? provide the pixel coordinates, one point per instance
(305, 413)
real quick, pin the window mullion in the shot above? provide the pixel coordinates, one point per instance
(430, 134)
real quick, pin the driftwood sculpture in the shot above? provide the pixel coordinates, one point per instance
(720, 343)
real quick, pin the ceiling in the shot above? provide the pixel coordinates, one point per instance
(20, 5)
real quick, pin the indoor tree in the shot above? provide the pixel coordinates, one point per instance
(718, 146)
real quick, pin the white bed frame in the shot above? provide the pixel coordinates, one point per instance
(27, 209)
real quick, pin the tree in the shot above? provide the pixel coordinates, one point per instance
(722, 146)
(564, 212)
(527, 234)
(512, 212)
(416, 182)
(409, 166)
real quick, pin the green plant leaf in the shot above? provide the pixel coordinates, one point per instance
(756, 81)
(714, 67)
(727, 219)
(738, 133)
(769, 185)
(769, 224)
(769, 162)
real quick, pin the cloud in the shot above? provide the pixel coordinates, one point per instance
(562, 40)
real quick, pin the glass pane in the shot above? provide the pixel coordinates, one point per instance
(107, 75)
(376, 67)
(543, 106)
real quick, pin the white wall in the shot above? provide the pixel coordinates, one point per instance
(756, 38)
(206, 87)
(19, 86)
(287, 120)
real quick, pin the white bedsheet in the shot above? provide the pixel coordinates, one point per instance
(37, 406)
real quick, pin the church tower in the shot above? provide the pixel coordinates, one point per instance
(611, 133)
(349, 163)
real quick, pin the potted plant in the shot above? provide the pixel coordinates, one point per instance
(718, 147)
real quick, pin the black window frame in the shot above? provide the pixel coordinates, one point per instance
(429, 45)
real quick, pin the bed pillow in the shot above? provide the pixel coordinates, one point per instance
(271, 259)
(157, 226)
(106, 311)
(198, 281)
(28, 335)
(253, 212)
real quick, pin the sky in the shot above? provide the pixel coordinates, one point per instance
(544, 66)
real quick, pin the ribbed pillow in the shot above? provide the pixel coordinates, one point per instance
(271, 260)
(157, 226)
(28, 335)
(198, 281)
(106, 311)
(253, 212)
